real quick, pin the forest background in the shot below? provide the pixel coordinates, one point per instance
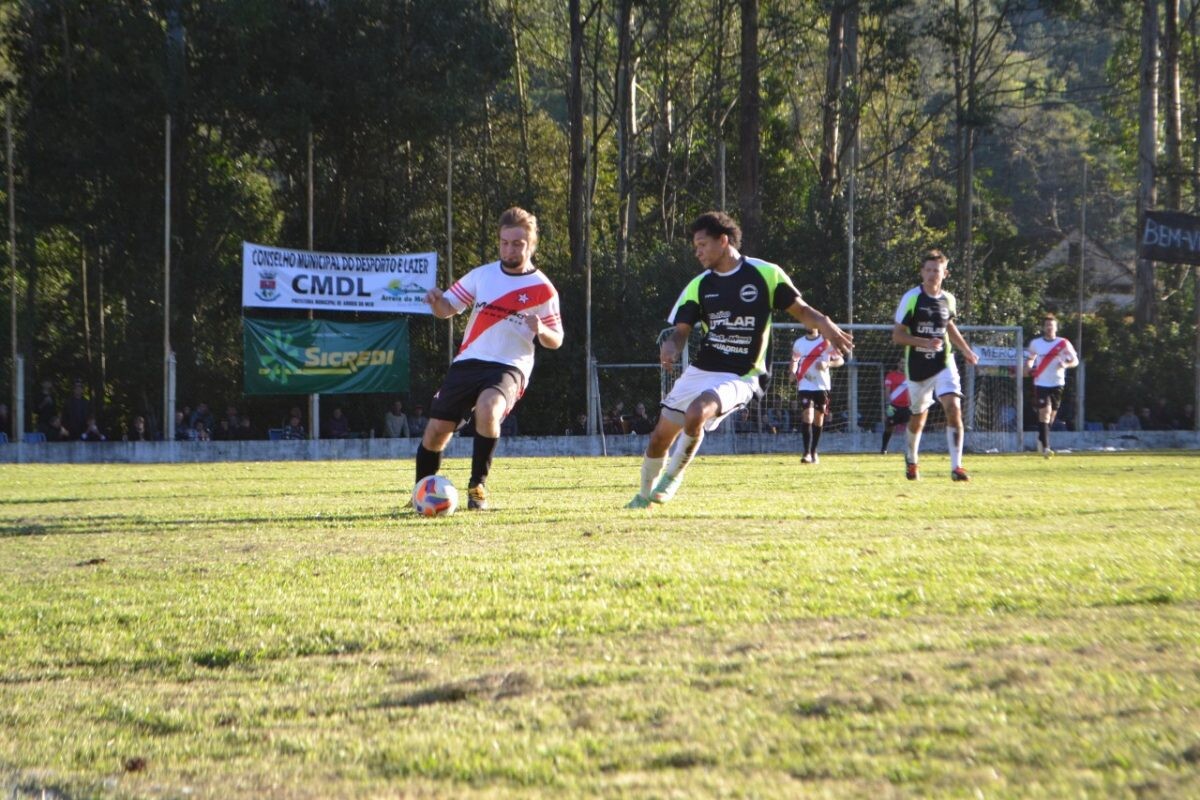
(961, 124)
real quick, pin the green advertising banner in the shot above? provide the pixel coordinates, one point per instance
(323, 357)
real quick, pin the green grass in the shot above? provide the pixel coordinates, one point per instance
(779, 631)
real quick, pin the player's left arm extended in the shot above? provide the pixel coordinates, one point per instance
(548, 337)
(956, 339)
(806, 314)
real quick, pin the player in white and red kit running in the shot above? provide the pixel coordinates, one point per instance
(924, 325)
(513, 306)
(1047, 359)
(895, 387)
(812, 358)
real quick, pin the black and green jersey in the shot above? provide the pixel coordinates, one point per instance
(927, 317)
(734, 310)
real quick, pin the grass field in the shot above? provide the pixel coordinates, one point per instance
(287, 630)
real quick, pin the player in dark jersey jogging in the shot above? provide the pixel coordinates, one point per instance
(732, 301)
(924, 325)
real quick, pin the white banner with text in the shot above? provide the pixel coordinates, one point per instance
(275, 277)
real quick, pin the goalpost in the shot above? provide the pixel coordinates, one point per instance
(992, 389)
(992, 393)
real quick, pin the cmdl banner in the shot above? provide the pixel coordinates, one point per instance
(1170, 236)
(275, 277)
(314, 356)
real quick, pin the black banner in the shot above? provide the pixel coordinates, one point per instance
(1170, 236)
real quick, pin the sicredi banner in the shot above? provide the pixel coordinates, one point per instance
(1170, 236)
(275, 277)
(324, 357)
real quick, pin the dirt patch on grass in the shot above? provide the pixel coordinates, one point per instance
(494, 687)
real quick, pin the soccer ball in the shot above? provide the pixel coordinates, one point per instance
(435, 496)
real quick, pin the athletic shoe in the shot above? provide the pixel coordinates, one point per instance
(816, 459)
(883, 452)
(806, 458)
(666, 488)
(959, 474)
(638, 502)
(477, 498)
(1047, 453)
(911, 471)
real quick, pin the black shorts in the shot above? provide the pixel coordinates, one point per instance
(898, 415)
(466, 380)
(1051, 395)
(817, 400)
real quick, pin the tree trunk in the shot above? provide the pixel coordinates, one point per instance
(577, 155)
(625, 132)
(522, 103)
(831, 124)
(1174, 121)
(749, 199)
(1145, 300)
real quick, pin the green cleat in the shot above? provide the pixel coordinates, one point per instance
(638, 502)
(664, 492)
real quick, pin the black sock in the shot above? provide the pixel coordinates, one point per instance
(887, 437)
(806, 430)
(816, 437)
(428, 462)
(1044, 433)
(481, 459)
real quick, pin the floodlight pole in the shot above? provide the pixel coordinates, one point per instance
(1081, 375)
(168, 418)
(18, 400)
(314, 400)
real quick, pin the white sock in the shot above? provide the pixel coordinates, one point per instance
(651, 469)
(954, 443)
(912, 445)
(684, 452)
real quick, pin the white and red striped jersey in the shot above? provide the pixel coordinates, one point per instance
(895, 383)
(808, 356)
(499, 302)
(1051, 357)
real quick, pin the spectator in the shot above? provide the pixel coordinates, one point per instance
(231, 416)
(183, 432)
(1147, 419)
(1163, 416)
(91, 431)
(617, 421)
(294, 428)
(246, 430)
(418, 421)
(580, 426)
(1007, 417)
(55, 431)
(395, 421)
(46, 406)
(777, 420)
(75, 416)
(5, 422)
(640, 423)
(138, 432)
(203, 415)
(199, 432)
(223, 432)
(744, 422)
(338, 427)
(1129, 421)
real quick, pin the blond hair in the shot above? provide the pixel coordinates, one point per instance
(517, 217)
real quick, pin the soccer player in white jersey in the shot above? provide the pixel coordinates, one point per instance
(924, 325)
(1047, 359)
(812, 358)
(513, 307)
(732, 299)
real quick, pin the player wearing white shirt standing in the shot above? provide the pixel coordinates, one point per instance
(812, 358)
(1047, 359)
(513, 306)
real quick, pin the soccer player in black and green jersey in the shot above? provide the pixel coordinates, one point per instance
(732, 301)
(924, 325)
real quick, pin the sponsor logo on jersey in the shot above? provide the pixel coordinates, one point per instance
(748, 293)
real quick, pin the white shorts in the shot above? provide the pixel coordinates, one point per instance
(732, 391)
(921, 394)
